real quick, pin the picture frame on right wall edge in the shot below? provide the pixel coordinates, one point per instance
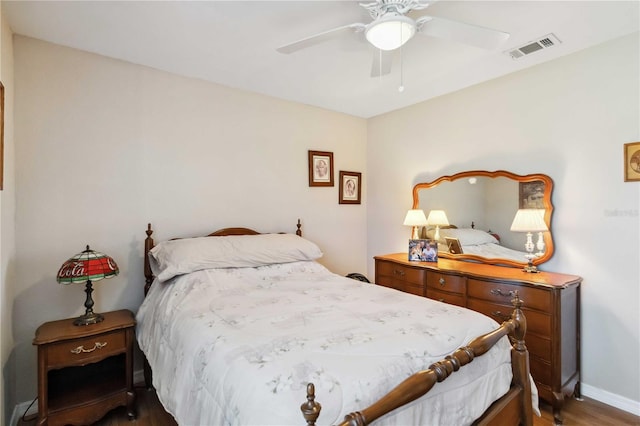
(632, 162)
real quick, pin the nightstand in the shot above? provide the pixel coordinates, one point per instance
(85, 371)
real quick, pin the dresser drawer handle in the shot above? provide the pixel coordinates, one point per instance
(442, 282)
(81, 349)
(398, 272)
(499, 292)
(499, 314)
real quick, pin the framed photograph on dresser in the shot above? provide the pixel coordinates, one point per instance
(423, 251)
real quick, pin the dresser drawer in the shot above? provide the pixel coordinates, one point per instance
(532, 298)
(540, 370)
(85, 350)
(405, 286)
(450, 298)
(401, 272)
(537, 322)
(446, 282)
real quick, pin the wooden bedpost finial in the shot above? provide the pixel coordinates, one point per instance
(149, 231)
(521, 321)
(299, 231)
(311, 409)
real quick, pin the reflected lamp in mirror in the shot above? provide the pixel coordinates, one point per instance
(88, 266)
(529, 221)
(437, 218)
(415, 218)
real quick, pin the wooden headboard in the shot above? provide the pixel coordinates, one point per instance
(149, 244)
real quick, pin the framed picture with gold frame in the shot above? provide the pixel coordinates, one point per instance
(632, 162)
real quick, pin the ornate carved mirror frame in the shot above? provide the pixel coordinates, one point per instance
(516, 199)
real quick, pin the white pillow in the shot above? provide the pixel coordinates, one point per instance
(176, 257)
(469, 237)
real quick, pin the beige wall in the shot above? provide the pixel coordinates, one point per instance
(568, 118)
(107, 146)
(7, 226)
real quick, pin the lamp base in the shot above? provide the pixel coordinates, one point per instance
(530, 268)
(87, 319)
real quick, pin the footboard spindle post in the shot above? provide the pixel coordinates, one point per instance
(311, 409)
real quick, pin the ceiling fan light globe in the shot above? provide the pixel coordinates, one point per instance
(389, 32)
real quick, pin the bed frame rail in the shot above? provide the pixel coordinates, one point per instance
(421, 382)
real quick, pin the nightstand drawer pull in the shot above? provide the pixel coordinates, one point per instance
(442, 282)
(81, 349)
(499, 292)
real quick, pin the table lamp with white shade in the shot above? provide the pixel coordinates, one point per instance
(415, 218)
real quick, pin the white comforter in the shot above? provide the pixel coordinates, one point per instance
(237, 346)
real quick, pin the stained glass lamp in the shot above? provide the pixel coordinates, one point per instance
(88, 266)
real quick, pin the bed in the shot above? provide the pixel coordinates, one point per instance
(238, 329)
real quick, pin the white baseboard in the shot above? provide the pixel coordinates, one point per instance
(18, 410)
(611, 399)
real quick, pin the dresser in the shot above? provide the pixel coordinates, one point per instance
(551, 304)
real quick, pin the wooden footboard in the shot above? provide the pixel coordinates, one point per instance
(515, 407)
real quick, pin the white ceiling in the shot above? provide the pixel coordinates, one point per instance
(234, 43)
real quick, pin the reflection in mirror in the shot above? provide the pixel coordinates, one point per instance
(480, 207)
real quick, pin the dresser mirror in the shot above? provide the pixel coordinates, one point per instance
(480, 207)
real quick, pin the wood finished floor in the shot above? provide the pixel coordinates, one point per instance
(576, 413)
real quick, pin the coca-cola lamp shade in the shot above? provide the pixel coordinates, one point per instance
(85, 267)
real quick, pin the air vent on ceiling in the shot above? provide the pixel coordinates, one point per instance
(542, 43)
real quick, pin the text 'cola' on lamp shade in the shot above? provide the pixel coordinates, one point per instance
(415, 218)
(530, 220)
(88, 266)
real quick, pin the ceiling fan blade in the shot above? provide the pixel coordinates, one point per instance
(473, 35)
(319, 38)
(381, 64)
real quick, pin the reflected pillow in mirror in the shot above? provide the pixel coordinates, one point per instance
(466, 236)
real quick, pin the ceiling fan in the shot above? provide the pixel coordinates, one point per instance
(391, 28)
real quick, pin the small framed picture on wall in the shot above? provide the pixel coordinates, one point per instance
(320, 168)
(350, 187)
(632, 162)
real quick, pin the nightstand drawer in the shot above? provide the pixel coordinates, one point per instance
(86, 350)
(532, 298)
(446, 282)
